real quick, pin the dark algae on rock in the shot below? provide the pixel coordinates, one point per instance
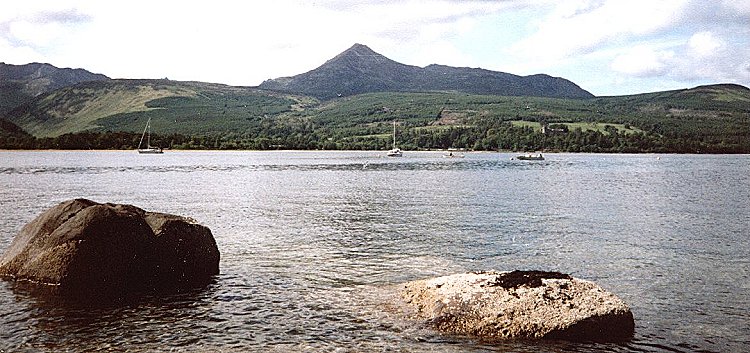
(519, 305)
(515, 279)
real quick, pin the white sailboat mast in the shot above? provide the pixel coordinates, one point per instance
(394, 134)
(148, 124)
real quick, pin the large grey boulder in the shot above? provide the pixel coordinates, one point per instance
(89, 247)
(519, 304)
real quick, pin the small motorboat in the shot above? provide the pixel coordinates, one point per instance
(395, 153)
(531, 157)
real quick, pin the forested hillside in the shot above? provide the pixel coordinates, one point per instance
(112, 115)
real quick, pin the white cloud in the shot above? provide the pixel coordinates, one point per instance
(608, 45)
(13, 53)
(575, 28)
(38, 28)
(244, 43)
(35, 34)
(642, 61)
(704, 44)
(702, 58)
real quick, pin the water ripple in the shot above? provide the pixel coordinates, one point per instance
(313, 243)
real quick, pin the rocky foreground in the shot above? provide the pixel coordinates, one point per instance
(519, 304)
(92, 248)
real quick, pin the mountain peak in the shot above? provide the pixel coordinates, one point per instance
(360, 69)
(358, 52)
(360, 48)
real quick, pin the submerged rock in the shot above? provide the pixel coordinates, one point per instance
(87, 247)
(520, 304)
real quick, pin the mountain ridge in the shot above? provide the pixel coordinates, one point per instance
(21, 83)
(360, 69)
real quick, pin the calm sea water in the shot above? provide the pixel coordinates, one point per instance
(312, 241)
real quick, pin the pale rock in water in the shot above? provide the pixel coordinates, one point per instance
(519, 304)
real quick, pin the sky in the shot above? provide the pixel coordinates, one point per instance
(608, 47)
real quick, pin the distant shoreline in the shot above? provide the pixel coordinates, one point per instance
(378, 151)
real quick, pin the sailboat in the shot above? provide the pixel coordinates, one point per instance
(149, 148)
(395, 151)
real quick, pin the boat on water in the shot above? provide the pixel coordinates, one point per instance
(395, 151)
(531, 157)
(147, 134)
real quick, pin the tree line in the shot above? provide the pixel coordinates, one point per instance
(485, 136)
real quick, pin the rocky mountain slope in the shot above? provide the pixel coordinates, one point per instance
(359, 69)
(21, 83)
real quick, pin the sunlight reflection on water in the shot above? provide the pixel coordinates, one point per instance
(310, 242)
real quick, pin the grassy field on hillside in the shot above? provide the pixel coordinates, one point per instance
(603, 128)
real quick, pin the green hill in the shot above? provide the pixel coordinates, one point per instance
(12, 136)
(21, 83)
(201, 115)
(710, 118)
(715, 114)
(175, 107)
